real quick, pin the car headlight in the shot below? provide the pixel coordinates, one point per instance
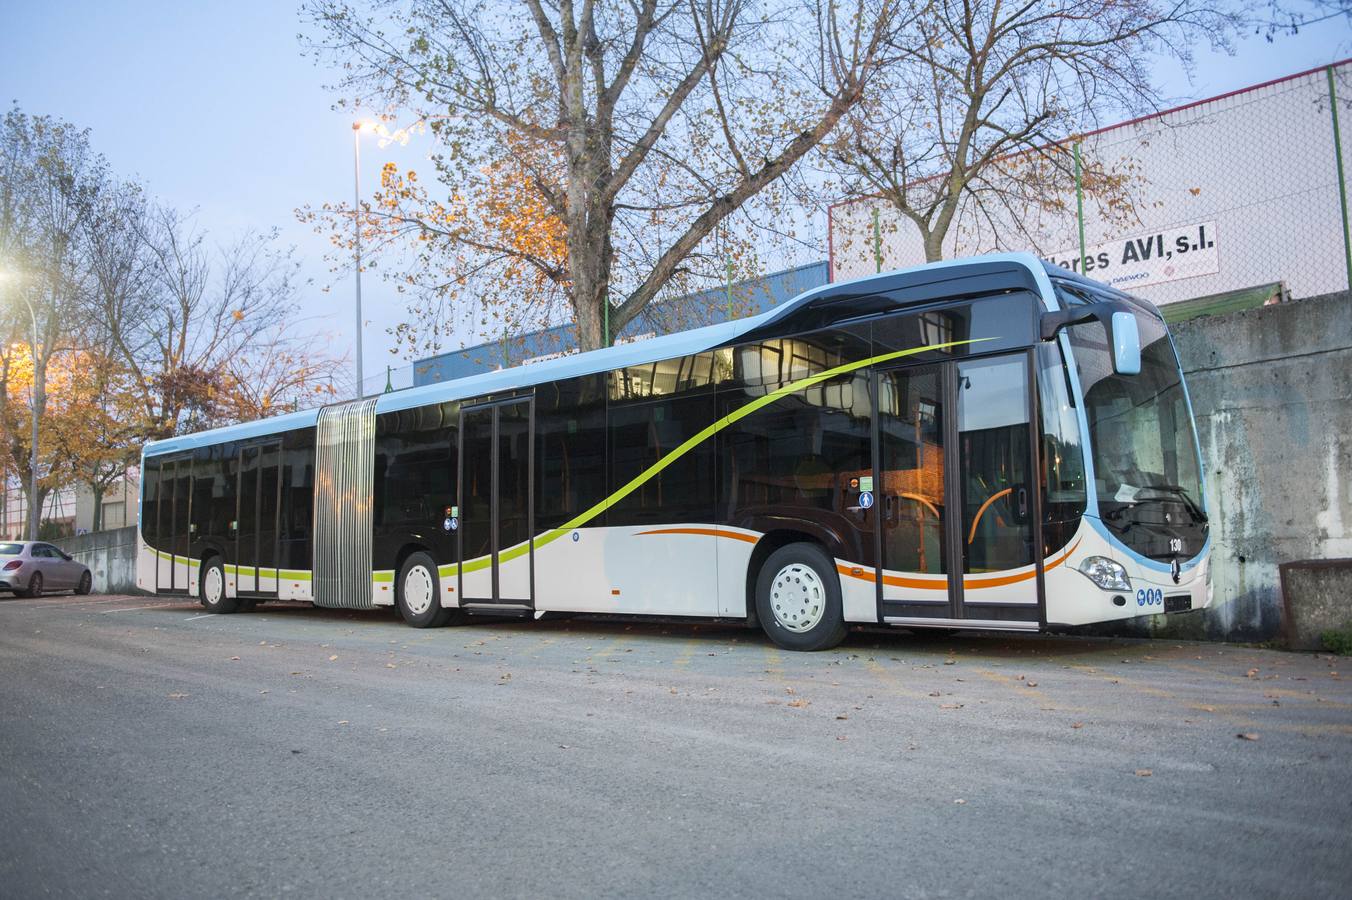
(1106, 573)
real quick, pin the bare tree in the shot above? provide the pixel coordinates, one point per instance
(975, 119)
(640, 127)
(51, 181)
(203, 310)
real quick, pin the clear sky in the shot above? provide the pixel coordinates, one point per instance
(213, 106)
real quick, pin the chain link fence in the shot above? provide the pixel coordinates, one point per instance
(1243, 190)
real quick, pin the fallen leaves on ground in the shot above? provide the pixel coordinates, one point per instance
(333, 658)
(950, 706)
(1144, 773)
(177, 695)
(800, 703)
(1247, 736)
(1076, 724)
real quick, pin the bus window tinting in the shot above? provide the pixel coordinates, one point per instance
(1062, 477)
(570, 449)
(415, 466)
(641, 434)
(911, 469)
(799, 452)
(298, 460)
(993, 450)
(150, 490)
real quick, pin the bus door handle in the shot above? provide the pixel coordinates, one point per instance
(1023, 503)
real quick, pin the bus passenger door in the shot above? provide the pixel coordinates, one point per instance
(256, 520)
(172, 534)
(495, 504)
(956, 494)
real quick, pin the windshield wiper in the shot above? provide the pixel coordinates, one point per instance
(1181, 493)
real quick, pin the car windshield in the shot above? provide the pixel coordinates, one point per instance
(1142, 444)
(11, 549)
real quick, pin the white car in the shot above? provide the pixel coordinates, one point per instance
(31, 568)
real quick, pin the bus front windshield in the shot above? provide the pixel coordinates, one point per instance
(1142, 444)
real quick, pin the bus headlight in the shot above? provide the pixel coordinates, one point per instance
(1106, 573)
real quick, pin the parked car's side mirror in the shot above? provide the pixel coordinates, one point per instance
(67, 557)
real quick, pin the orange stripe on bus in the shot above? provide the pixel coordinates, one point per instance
(972, 583)
(903, 581)
(708, 532)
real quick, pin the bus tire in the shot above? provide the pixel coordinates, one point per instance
(211, 591)
(417, 593)
(798, 598)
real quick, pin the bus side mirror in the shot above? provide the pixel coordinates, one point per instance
(1124, 334)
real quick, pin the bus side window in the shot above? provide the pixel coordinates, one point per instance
(150, 487)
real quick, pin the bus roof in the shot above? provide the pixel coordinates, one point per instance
(684, 343)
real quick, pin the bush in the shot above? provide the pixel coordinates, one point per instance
(1337, 640)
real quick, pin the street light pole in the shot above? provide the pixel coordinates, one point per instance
(356, 223)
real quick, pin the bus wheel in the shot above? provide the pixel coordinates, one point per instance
(418, 593)
(211, 588)
(798, 598)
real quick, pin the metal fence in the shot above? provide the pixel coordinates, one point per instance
(1245, 189)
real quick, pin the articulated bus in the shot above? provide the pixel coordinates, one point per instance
(993, 443)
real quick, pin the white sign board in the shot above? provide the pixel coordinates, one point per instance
(1152, 258)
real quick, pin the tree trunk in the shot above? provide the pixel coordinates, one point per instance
(38, 410)
(589, 266)
(934, 245)
(97, 490)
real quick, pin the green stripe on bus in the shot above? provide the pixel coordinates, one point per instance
(691, 443)
(520, 550)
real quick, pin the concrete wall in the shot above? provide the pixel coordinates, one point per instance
(1272, 392)
(111, 557)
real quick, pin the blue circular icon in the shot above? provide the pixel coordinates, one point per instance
(451, 523)
(576, 537)
(866, 500)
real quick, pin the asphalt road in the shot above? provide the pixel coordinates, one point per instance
(148, 750)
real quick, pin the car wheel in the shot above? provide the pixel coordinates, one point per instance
(211, 589)
(34, 586)
(86, 584)
(798, 598)
(417, 593)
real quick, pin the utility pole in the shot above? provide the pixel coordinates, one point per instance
(356, 229)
